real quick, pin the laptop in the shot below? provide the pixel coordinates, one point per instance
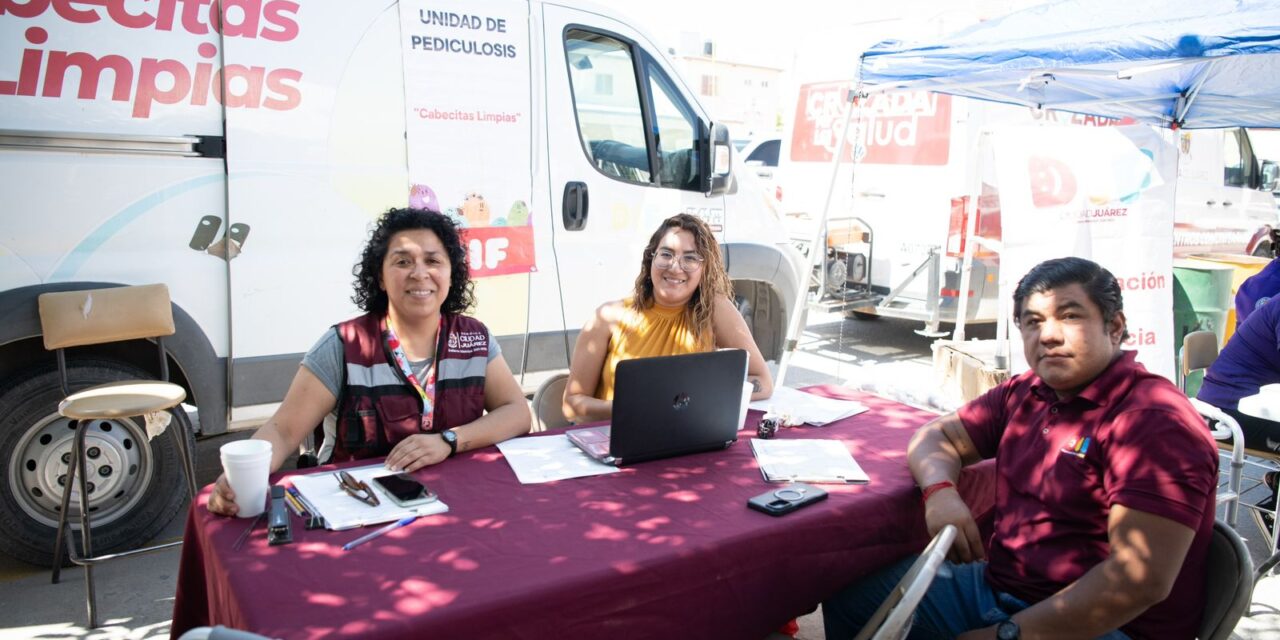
(670, 406)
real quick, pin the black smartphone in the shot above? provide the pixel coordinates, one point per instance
(405, 490)
(206, 229)
(782, 501)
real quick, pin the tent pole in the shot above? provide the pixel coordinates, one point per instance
(970, 239)
(817, 249)
(1184, 104)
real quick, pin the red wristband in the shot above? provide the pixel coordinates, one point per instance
(928, 491)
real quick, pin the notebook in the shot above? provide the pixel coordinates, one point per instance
(670, 406)
(323, 495)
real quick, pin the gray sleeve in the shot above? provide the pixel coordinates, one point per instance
(494, 349)
(324, 359)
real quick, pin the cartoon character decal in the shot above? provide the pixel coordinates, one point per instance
(422, 197)
(475, 210)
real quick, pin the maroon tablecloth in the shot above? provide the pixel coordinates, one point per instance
(663, 549)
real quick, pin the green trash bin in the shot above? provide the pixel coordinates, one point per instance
(1201, 300)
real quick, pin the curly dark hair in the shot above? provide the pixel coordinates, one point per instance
(715, 282)
(369, 295)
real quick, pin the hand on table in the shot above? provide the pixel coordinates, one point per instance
(417, 451)
(946, 507)
(223, 500)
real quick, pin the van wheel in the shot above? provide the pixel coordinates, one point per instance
(1263, 250)
(861, 315)
(135, 486)
(763, 313)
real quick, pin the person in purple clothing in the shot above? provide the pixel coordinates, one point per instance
(1250, 360)
(1260, 287)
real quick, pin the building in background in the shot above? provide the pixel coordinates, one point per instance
(738, 89)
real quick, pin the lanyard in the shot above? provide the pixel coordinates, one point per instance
(427, 388)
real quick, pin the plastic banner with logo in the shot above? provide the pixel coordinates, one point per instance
(466, 80)
(1102, 193)
(908, 127)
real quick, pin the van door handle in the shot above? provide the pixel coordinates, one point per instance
(1211, 202)
(1226, 203)
(575, 205)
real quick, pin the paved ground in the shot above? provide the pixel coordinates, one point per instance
(135, 595)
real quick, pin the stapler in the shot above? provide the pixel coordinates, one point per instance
(278, 528)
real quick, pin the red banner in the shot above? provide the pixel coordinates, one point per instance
(499, 251)
(911, 127)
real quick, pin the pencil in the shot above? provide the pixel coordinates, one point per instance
(294, 505)
(302, 502)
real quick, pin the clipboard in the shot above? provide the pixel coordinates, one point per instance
(340, 511)
(809, 460)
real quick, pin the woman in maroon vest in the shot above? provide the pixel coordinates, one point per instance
(413, 378)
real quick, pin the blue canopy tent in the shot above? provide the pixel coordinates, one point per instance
(1181, 64)
(1168, 63)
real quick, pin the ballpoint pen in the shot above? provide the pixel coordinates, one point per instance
(380, 532)
(247, 531)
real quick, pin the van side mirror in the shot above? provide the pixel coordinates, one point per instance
(716, 165)
(1270, 175)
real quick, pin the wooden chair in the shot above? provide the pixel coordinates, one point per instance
(892, 621)
(78, 318)
(548, 403)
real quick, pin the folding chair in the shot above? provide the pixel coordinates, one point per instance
(1199, 350)
(548, 403)
(1229, 587)
(892, 621)
(78, 318)
(219, 633)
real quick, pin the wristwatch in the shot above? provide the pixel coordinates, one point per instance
(451, 439)
(1008, 630)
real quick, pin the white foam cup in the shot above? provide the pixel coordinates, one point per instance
(247, 464)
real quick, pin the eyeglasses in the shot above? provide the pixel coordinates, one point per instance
(356, 489)
(689, 262)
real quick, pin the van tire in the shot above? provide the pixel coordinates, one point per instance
(33, 436)
(861, 315)
(763, 313)
(1263, 250)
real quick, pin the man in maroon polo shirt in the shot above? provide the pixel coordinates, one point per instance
(1105, 495)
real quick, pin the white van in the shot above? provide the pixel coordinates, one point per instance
(241, 165)
(897, 228)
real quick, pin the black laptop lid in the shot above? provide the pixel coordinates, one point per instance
(674, 405)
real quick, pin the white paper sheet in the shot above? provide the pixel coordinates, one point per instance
(811, 409)
(814, 461)
(548, 458)
(341, 511)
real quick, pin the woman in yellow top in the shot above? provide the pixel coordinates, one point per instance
(680, 305)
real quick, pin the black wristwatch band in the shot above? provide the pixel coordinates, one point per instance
(451, 439)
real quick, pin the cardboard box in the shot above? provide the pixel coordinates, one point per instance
(966, 370)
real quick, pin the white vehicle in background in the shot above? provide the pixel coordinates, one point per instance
(242, 166)
(896, 233)
(759, 159)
